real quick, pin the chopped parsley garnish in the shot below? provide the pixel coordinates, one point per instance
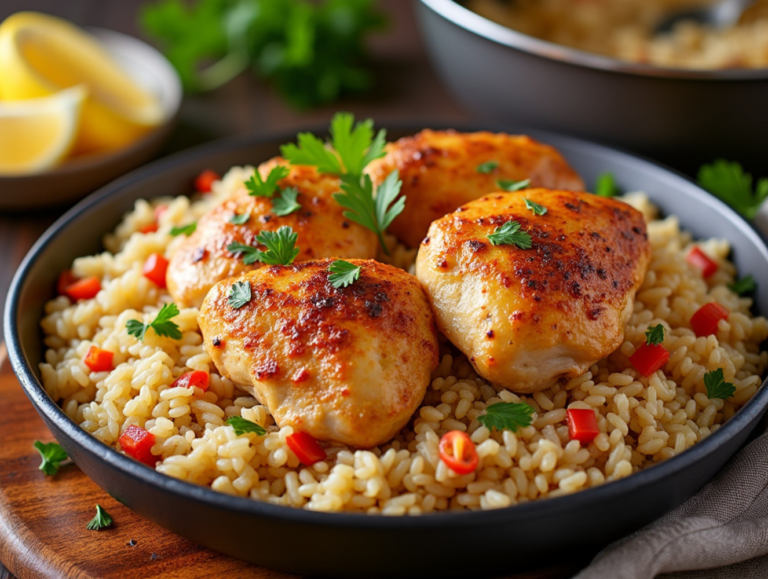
(511, 185)
(185, 229)
(605, 185)
(286, 203)
(535, 207)
(731, 184)
(654, 335)
(487, 167)
(281, 248)
(258, 187)
(250, 254)
(242, 425)
(343, 273)
(162, 324)
(239, 219)
(510, 234)
(716, 385)
(744, 285)
(52, 454)
(507, 416)
(239, 294)
(102, 520)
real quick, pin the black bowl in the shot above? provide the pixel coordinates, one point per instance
(352, 545)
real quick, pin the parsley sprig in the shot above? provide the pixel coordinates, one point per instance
(184, 229)
(535, 207)
(716, 386)
(242, 425)
(605, 185)
(507, 416)
(259, 187)
(286, 203)
(239, 294)
(239, 218)
(102, 520)
(162, 324)
(487, 167)
(744, 285)
(654, 335)
(731, 184)
(343, 273)
(281, 248)
(512, 185)
(510, 234)
(52, 454)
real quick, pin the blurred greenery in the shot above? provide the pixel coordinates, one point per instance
(313, 52)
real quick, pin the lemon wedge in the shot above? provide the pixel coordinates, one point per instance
(41, 55)
(36, 134)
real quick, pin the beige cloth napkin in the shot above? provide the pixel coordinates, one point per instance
(720, 533)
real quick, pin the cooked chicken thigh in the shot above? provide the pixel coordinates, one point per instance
(349, 365)
(323, 231)
(528, 317)
(442, 170)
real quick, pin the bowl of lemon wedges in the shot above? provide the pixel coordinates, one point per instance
(77, 108)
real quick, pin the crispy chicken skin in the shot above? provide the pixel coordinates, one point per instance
(528, 317)
(203, 259)
(349, 365)
(439, 173)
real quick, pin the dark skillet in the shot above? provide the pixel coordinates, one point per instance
(347, 545)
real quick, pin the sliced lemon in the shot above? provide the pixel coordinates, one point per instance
(36, 134)
(41, 54)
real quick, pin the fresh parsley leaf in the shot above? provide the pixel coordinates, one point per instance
(535, 207)
(731, 184)
(239, 294)
(744, 285)
(241, 426)
(286, 203)
(507, 416)
(716, 386)
(184, 229)
(258, 187)
(343, 273)
(162, 324)
(605, 185)
(511, 186)
(52, 454)
(102, 520)
(312, 151)
(487, 167)
(250, 254)
(239, 219)
(654, 335)
(510, 234)
(281, 246)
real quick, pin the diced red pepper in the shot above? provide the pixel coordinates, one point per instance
(151, 228)
(137, 443)
(458, 452)
(155, 268)
(98, 360)
(66, 279)
(189, 379)
(582, 424)
(701, 260)
(306, 448)
(83, 289)
(204, 181)
(704, 322)
(648, 358)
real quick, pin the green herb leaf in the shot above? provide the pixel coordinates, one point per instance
(343, 273)
(507, 416)
(52, 454)
(535, 207)
(102, 520)
(250, 254)
(487, 167)
(241, 426)
(239, 219)
(281, 246)
(185, 229)
(510, 185)
(162, 324)
(510, 234)
(313, 152)
(286, 203)
(654, 335)
(605, 185)
(239, 294)
(731, 184)
(716, 386)
(258, 187)
(744, 285)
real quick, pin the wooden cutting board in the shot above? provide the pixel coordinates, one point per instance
(43, 519)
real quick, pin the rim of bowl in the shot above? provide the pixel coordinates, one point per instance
(131, 468)
(471, 21)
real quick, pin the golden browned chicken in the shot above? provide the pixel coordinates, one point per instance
(528, 317)
(349, 365)
(323, 231)
(442, 170)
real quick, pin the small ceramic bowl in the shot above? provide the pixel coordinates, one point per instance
(76, 178)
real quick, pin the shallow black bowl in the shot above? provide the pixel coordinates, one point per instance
(450, 544)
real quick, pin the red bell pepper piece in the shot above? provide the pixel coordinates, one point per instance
(137, 443)
(458, 452)
(151, 228)
(98, 360)
(189, 379)
(155, 268)
(204, 181)
(701, 260)
(582, 424)
(66, 279)
(83, 289)
(306, 448)
(704, 321)
(648, 358)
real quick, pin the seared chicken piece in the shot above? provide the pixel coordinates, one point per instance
(528, 317)
(439, 170)
(323, 231)
(349, 365)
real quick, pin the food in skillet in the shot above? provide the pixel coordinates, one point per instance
(536, 286)
(132, 369)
